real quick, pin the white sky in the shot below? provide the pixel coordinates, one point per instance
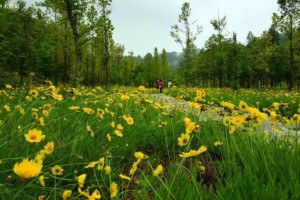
(142, 25)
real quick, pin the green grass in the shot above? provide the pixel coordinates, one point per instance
(246, 166)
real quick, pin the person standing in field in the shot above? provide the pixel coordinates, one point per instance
(169, 84)
(160, 85)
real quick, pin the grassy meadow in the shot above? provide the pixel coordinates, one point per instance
(134, 143)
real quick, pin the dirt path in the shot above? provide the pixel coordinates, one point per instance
(276, 129)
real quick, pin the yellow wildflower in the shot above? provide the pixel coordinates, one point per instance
(125, 177)
(34, 136)
(67, 194)
(192, 153)
(42, 121)
(184, 139)
(49, 148)
(134, 167)
(89, 130)
(118, 133)
(108, 137)
(128, 119)
(243, 106)
(8, 86)
(113, 190)
(28, 168)
(81, 180)
(218, 143)
(139, 155)
(58, 97)
(158, 170)
(6, 108)
(107, 169)
(101, 163)
(57, 170)
(42, 180)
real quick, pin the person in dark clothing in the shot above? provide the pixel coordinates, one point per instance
(160, 85)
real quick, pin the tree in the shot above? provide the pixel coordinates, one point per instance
(166, 69)
(106, 34)
(286, 23)
(187, 41)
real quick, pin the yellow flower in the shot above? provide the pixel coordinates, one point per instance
(40, 156)
(231, 129)
(118, 133)
(113, 190)
(113, 124)
(67, 194)
(128, 119)
(28, 168)
(158, 170)
(124, 97)
(58, 97)
(22, 111)
(120, 127)
(227, 121)
(52, 88)
(190, 128)
(125, 177)
(184, 139)
(218, 143)
(74, 108)
(275, 106)
(42, 180)
(34, 136)
(33, 93)
(81, 180)
(142, 88)
(202, 168)
(88, 111)
(41, 197)
(95, 195)
(49, 148)
(227, 105)
(108, 137)
(89, 130)
(107, 169)
(92, 164)
(192, 153)
(139, 155)
(237, 120)
(6, 108)
(42, 121)
(187, 121)
(57, 170)
(296, 119)
(243, 106)
(101, 163)
(134, 167)
(8, 86)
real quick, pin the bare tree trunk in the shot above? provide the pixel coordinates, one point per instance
(73, 22)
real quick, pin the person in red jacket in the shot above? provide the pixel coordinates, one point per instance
(160, 85)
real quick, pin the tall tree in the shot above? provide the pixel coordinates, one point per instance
(187, 41)
(287, 23)
(106, 34)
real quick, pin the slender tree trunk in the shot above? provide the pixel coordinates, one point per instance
(73, 22)
(291, 70)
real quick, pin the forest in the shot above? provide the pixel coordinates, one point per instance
(71, 42)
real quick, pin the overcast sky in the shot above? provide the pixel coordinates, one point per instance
(142, 25)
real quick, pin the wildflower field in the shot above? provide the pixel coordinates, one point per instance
(134, 143)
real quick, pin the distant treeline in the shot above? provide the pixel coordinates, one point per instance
(70, 41)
